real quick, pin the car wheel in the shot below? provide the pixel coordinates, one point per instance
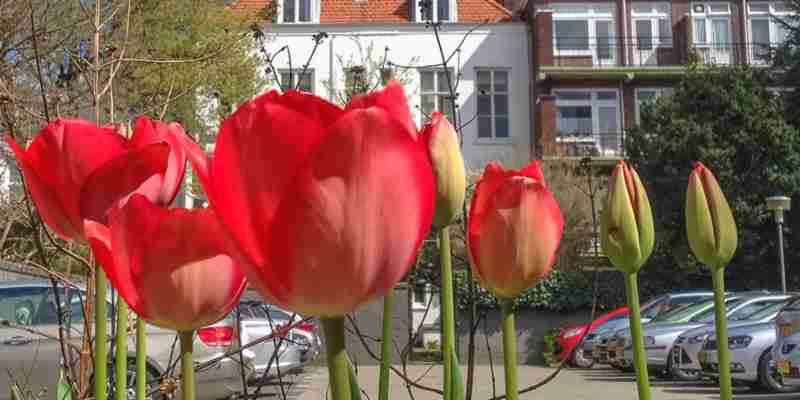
(677, 373)
(580, 361)
(768, 377)
(621, 368)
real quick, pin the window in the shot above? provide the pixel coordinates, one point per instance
(589, 118)
(712, 32)
(645, 95)
(493, 103)
(434, 10)
(434, 93)
(652, 29)
(298, 11)
(584, 30)
(767, 29)
(289, 81)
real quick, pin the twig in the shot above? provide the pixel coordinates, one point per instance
(38, 64)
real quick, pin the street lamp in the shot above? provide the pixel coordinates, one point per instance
(779, 204)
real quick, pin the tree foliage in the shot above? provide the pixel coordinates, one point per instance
(730, 121)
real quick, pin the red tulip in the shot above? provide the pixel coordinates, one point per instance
(515, 227)
(76, 170)
(172, 266)
(328, 207)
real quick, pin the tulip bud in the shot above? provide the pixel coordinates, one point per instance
(709, 221)
(626, 226)
(448, 166)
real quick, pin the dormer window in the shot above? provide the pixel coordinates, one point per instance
(434, 10)
(298, 11)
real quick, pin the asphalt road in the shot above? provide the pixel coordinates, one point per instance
(595, 384)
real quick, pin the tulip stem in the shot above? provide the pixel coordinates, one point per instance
(448, 314)
(386, 346)
(639, 355)
(338, 369)
(720, 319)
(121, 361)
(187, 365)
(141, 360)
(101, 335)
(509, 348)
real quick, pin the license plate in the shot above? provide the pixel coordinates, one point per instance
(786, 330)
(784, 367)
(702, 357)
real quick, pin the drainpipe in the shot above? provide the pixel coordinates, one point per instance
(744, 40)
(622, 123)
(624, 38)
(532, 99)
(331, 74)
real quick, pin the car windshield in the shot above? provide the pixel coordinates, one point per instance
(690, 311)
(708, 315)
(765, 312)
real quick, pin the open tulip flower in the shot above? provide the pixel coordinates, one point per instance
(515, 228)
(172, 266)
(76, 170)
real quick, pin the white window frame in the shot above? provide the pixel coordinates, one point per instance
(771, 15)
(420, 18)
(314, 6)
(492, 92)
(295, 76)
(592, 13)
(595, 104)
(708, 16)
(655, 13)
(436, 93)
(659, 91)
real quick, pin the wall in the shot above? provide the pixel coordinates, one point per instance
(492, 45)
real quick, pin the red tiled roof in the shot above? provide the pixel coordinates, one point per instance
(383, 11)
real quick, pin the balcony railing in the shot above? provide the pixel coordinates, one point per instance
(608, 144)
(654, 51)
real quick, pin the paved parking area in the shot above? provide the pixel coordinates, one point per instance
(595, 384)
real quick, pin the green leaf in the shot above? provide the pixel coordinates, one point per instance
(15, 393)
(64, 391)
(355, 390)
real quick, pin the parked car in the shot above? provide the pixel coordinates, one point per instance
(786, 351)
(596, 346)
(570, 336)
(659, 337)
(31, 304)
(683, 356)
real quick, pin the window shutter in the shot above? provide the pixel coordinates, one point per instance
(412, 10)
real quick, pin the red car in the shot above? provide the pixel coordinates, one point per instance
(571, 335)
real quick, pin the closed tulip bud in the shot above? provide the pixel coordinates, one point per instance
(515, 228)
(709, 220)
(626, 226)
(448, 166)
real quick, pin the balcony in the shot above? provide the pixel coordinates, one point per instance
(578, 53)
(608, 145)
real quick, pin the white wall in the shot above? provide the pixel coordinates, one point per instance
(502, 45)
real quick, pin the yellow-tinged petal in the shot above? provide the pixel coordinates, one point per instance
(644, 214)
(619, 234)
(710, 226)
(448, 166)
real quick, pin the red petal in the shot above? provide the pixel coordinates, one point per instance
(58, 161)
(149, 132)
(392, 99)
(179, 252)
(533, 170)
(350, 227)
(312, 107)
(118, 178)
(99, 238)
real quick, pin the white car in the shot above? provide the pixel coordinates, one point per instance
(786, 351)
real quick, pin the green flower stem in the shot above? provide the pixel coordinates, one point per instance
(721, 321)
(386, 346)
(338, 370)
(448, 313)
(101, 335)
(141, 360)
(121, 362)
(509, 349)
(187, 365)
(639, 355)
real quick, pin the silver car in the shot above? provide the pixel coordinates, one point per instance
(597, 344)
(659, 337)
(786, 351)
(683, 356)
(751, 357)
(35, 359)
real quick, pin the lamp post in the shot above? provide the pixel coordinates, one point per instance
(779, 204)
